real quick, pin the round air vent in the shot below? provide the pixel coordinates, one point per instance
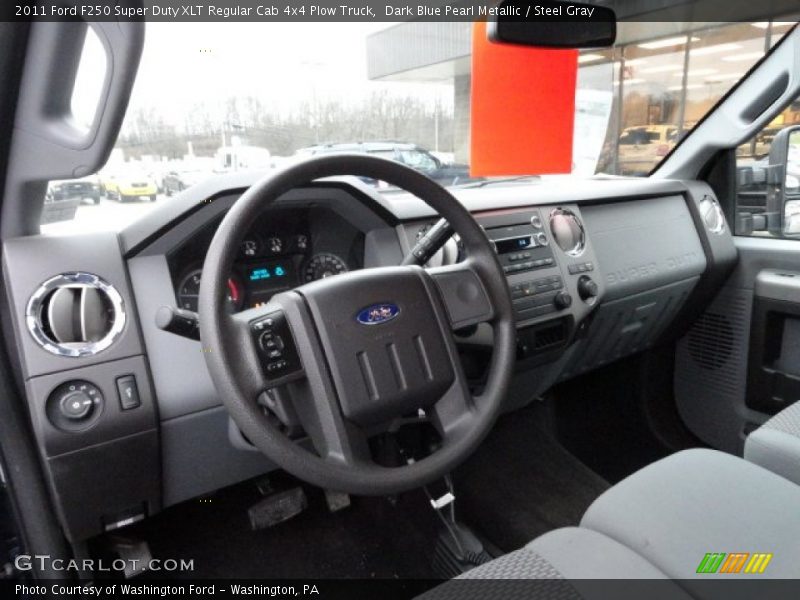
(567, 231)
(75, 314)
(712, 214)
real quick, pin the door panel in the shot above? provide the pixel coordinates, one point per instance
(740, 361)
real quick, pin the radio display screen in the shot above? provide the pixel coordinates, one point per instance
(514, 244)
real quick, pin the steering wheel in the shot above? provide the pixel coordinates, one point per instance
(359, 350)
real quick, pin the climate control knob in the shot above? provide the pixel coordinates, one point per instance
(587, 289)
(562, 300)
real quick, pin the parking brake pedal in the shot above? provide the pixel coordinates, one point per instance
(458, 549)
(135, 553)
(277, 508)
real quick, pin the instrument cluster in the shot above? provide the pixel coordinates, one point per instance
(280, 252)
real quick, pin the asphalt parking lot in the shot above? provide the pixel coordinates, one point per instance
(109, 215)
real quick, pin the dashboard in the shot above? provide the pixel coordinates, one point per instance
(126, 417)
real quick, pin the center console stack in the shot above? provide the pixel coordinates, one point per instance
(551, 269)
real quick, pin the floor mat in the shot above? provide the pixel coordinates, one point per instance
(522, 483)
(373, 538)
(601, 419)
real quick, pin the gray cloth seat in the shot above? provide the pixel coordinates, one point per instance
(564, 564)
(696, 502)
(658, 524)
(776, 444)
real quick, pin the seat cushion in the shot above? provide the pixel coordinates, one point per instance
(562, 564)
(698, 502)
(776, 444)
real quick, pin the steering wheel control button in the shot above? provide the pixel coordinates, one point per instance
(74, 405)
(275, 346)
(271, 342)
(128, 392)
(264, 324)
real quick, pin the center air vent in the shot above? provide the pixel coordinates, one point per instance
(75, 314)
(567, 231)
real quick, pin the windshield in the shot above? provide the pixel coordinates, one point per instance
(212, 99)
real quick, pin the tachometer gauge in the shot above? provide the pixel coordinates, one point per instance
(321, 266)
(189, 292)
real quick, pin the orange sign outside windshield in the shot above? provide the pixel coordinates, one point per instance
(522, 108)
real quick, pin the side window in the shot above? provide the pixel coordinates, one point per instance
(768, 179)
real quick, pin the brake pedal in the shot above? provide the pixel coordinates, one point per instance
(277, 508)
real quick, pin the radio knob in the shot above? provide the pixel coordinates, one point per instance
(541, 239)
(587, 289)
(562, 300)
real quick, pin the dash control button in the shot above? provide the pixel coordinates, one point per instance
(128, 392)
(76, 406)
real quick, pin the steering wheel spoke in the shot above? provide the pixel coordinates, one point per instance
(454, 413)
(334, 439)
(465, 297)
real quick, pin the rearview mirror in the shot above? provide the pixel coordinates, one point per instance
(553, 24)
(783, 188)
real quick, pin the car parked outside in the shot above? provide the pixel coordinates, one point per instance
(642, 148)
(130, 186)
(176, 181)
(414, 156)
(84, 188)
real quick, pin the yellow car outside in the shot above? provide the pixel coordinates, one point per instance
(132, 188)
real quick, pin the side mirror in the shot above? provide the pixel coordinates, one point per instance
(553, 24)
(783, 183)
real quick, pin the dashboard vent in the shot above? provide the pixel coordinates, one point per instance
(75, 314)
(711, 340)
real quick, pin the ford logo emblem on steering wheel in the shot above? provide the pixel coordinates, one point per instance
(378, 313)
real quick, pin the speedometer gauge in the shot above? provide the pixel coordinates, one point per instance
(321, 266)
(189, 292)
